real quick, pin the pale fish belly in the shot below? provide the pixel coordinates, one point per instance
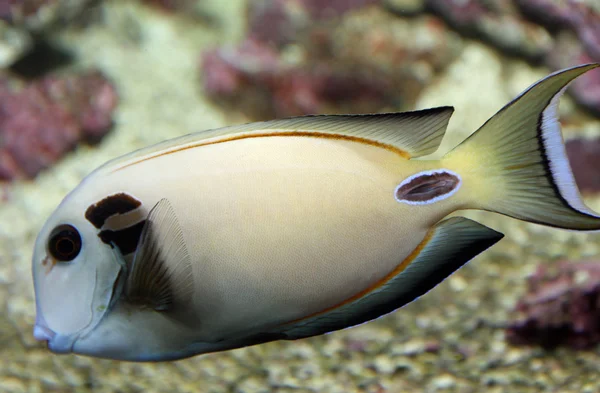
(280, 228)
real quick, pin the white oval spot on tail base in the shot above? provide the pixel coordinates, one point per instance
(428, 187)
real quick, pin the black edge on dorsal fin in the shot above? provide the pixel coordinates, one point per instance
(119, 203)
(417, 133)
(161, 275)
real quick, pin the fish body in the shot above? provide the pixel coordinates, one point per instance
(288, 229)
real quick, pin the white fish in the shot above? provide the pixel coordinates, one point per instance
(289, 228)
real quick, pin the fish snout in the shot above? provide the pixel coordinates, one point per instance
(43, 333)
(57, 343)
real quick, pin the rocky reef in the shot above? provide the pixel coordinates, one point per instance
(23, 22)
(561, 307)
(555, 33)
(40, 121)
(584, 157)
(302, 57)
(44, 113)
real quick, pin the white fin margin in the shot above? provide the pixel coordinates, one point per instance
(557, 156)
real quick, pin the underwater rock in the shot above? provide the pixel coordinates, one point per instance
(39, 15)
(42, 120)
(556, 33)
(518, 26)
(182, 6)
(13, 44)
(271, 89)
(405, 7)
(576, 27)
(279, 21)
(495, 22)
(561, 307)
(337, 61)
(167, 5)
(23, 21)
(340, 41)
(584, 157)
(581, 17)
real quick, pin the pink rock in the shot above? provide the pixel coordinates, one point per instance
(323, 9)
(43, 120)
(361, 62)
(574, 28)
(561, 307)
(253, 80)
(279, 21)
(584, 157)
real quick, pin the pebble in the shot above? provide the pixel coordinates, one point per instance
(384, 365)
(443, 382)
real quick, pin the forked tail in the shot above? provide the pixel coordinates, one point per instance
(517, 164)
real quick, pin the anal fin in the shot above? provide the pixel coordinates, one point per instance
(449, 245)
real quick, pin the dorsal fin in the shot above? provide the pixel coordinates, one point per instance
(416, 133)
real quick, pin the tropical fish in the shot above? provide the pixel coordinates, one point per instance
(292, 228)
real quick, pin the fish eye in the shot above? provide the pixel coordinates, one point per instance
(65, 243)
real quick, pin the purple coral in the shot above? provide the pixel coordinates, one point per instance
(42, 120)
(561, 307)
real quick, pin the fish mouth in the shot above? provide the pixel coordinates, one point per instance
(56, 343)
(43, 333)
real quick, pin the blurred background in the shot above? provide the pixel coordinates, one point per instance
(83, 81)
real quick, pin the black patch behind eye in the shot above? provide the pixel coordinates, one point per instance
(119, 203)
(126, 239)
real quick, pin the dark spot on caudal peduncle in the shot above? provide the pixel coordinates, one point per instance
(427, 187)
(120, 203)
(126, 239)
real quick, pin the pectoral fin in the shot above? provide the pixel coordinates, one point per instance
(448, 246)
(161, 273)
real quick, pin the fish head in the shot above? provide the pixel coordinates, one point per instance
(152, 319)
(75, 276)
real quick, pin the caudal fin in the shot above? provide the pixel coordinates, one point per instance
(517, 162)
